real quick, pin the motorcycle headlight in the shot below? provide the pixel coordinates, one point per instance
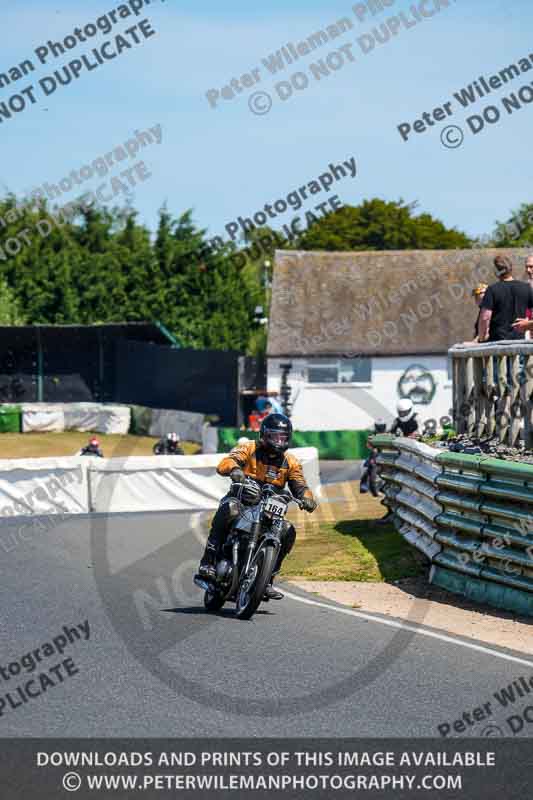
(251, 495)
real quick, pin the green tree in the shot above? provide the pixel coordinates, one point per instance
(207, 298)
(134, 253)
(380, 225)
(98, 276)
(101, 265)
(38, 253)
(517, 231)
(10, 313)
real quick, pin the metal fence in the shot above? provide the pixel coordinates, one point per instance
(493, 391)
(472, 516)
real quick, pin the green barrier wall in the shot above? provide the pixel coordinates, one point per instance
(10, 419)
(480, 591)
(334, 445)
(228, 438)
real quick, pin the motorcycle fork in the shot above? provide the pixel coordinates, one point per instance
(254, 538)
(235, 576)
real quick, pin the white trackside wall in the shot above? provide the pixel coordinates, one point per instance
(85, 484)
(355, 406)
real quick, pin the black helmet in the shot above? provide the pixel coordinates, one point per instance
(276, 433)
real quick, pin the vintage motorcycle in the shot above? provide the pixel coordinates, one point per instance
(249, 554)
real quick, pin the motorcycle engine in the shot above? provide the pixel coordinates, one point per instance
(224, 571)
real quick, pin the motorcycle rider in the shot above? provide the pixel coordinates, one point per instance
(265, 461)
(168, 445)
(92, 448)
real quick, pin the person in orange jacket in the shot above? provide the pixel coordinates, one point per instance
(266, 461)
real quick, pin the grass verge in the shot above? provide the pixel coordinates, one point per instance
(68, 443)
(353, 548)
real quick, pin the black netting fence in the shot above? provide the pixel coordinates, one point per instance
(129, 363)
(205, 381)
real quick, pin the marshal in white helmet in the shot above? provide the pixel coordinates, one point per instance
(406, 423)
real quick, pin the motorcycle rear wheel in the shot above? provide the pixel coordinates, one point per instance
(248, 602)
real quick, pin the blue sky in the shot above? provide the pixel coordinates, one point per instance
(226, 162)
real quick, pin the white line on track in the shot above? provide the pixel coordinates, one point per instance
(415, 629)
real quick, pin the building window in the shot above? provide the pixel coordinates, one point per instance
(339, 370)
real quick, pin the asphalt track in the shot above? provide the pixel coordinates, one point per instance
(156, 665)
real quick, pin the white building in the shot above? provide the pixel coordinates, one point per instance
(361, 330)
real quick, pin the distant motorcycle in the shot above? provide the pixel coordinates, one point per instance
(249, 554)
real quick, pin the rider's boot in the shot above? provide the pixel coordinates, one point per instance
(271, 593)
(226, 512)
(207, 564)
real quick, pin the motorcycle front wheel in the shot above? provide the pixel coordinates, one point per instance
(213, 601)
(252, 586)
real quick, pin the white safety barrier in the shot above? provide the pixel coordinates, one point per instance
(42, 419)
(77, 485)
(75, 417)
(164, 483)
(186, 423)
(308, 457)
(43, 486)
(97, 417)
(160, 421)
(114, 419)
(170, 483)
(209, 438)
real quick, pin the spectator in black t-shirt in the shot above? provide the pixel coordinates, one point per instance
(503, 304)
(526, 325)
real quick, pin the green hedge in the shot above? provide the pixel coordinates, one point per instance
(334, 445)
(10, 419)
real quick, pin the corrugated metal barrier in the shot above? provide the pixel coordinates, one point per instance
(472, 516)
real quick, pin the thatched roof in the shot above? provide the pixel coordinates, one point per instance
(377, 303)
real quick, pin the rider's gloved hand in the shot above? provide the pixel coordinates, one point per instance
(251, 493)
(308, 504)
(237, 475)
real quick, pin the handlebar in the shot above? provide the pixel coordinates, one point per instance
(267, 489)
(284, 495)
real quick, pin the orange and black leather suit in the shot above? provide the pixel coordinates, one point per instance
(278, 470)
